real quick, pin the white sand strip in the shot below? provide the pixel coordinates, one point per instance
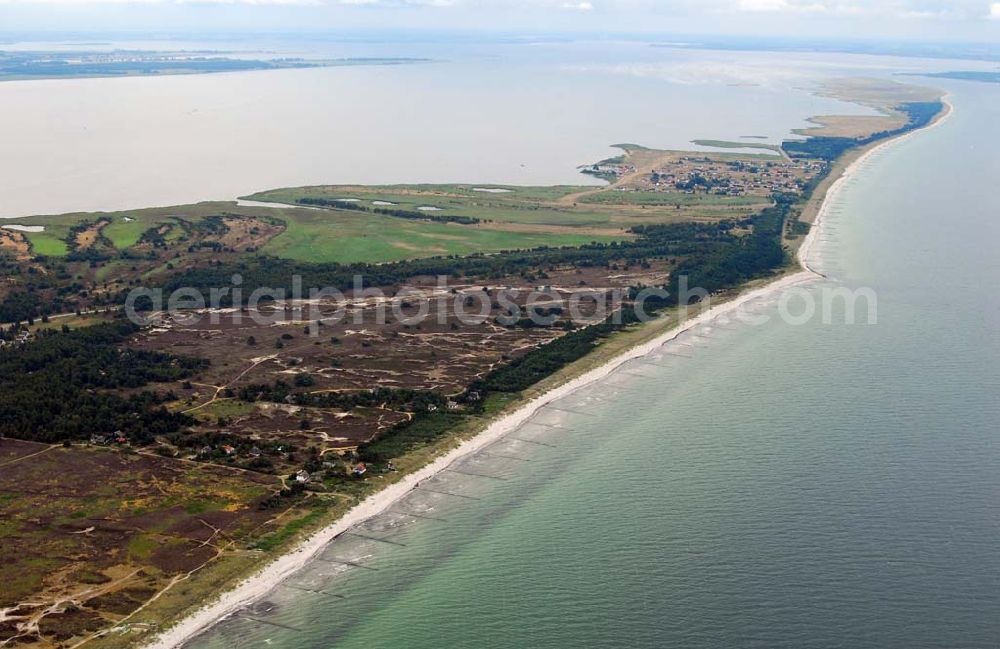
(25, 228)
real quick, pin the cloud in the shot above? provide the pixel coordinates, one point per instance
(832, 7)
(644, 12)
(87, 3)
(394, 3)
(261, 3)
(903, 9)
(385, 4)
(764, 5)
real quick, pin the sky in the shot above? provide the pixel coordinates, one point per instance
(924, 20)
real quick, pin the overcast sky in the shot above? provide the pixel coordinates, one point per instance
(968, 20)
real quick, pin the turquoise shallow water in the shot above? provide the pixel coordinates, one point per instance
(820, 485)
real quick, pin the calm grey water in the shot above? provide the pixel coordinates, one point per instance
(748, 486)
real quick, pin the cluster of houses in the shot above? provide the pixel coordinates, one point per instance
(451, 405)
(115, 438)
(207, 451)
(692, 175)
(303, 477)
(229, 451)
(19, 338)
(357, 470)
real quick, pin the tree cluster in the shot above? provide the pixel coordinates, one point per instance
(61, 386)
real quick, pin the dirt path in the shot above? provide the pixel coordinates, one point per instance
(571, 199)
(25, 457)
(220, 388)
(30, 627)
(220, 550)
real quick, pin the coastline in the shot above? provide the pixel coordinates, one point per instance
(838, 182)
(257, 585)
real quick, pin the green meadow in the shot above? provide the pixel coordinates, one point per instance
(525, 205)
(510, 217)
(557, 211)
(346, 237)
(123, 230)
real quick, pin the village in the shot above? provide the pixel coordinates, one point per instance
(730, 175)
(691, 174)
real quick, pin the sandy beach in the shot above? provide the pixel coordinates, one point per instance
(258, 585)
(806, 248)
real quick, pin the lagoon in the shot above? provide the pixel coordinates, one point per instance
(496, 113)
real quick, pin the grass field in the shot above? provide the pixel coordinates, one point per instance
(124, 229)
(222, 409)
(49, 242)
(70, 320)
(510, 217)
(602, 212)
(345, 237)
(411, 193)
(507, 217)
(673, 199)
(124, 232)
(526, 205)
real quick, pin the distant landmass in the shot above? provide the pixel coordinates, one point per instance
(986, 51)
(61, 65)
(966, 75)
